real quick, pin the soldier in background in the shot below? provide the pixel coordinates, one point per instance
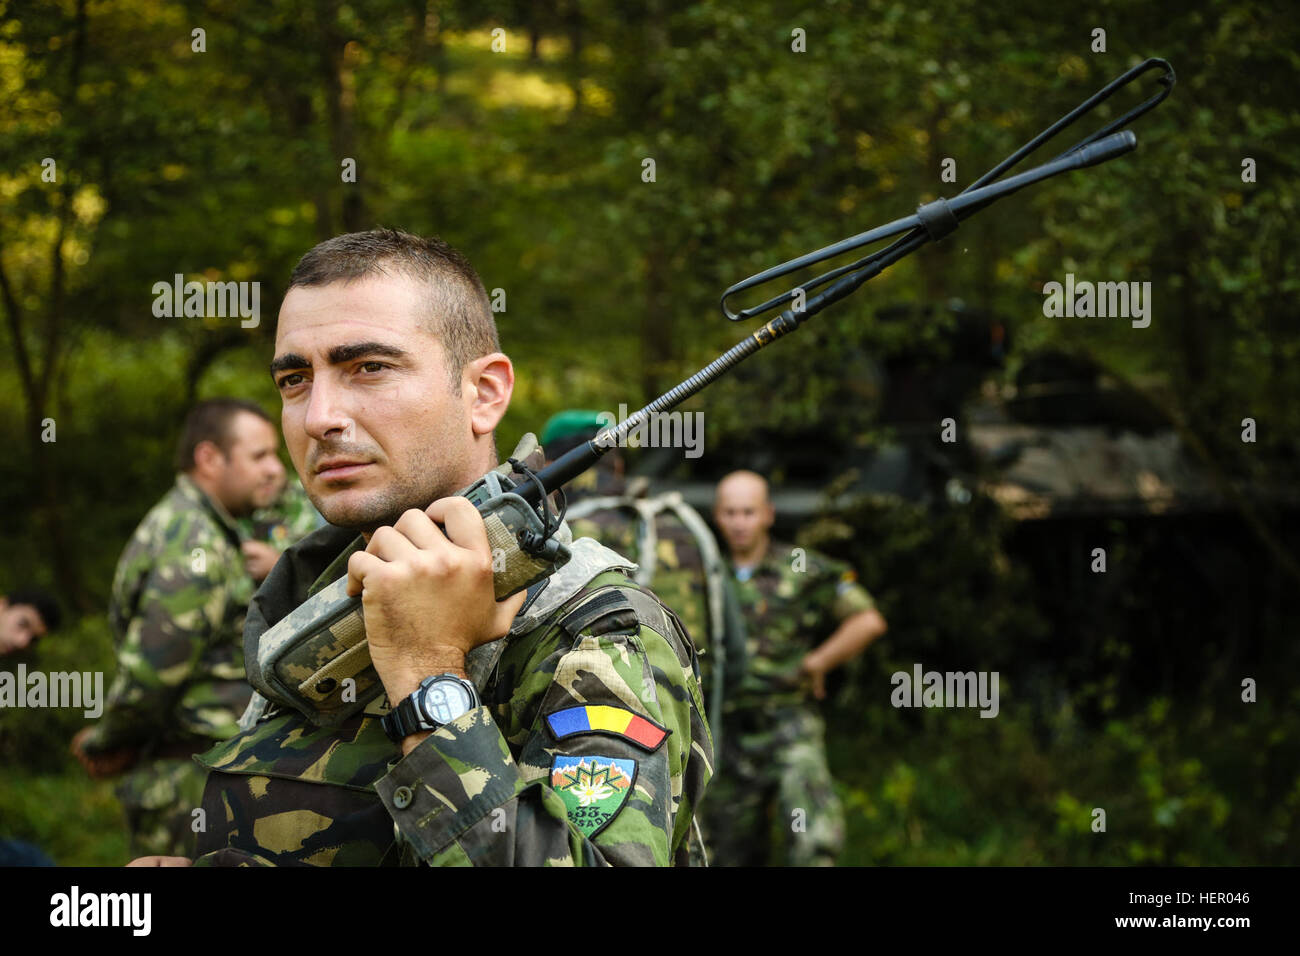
(179, 596)
(25, 616)
(805, 614)
(269, 531)
(678, 556)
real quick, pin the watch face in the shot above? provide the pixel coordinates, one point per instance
(445, 700)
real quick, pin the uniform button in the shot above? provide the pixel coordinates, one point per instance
(402, 797)
(326, 685)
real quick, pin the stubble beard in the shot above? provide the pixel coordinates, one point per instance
(239, 501)
(426, 479)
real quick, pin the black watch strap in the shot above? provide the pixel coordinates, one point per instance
(402, 721)
(410, 715)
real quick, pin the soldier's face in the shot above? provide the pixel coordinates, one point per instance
(20, 624)
(743, 514)
(373, 422)
(250, 474)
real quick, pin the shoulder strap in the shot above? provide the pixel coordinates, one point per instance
(603, 610)
(623, 607)
(589, 560)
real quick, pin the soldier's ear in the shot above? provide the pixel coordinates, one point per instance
(489, 382)
(208, 456)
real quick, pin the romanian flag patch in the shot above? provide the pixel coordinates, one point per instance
(607, 719)
(593, 788)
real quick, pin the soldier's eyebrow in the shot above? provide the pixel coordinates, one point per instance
(338, 355)
(287, 361)
(347, 353)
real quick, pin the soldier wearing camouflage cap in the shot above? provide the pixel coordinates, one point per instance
(179, 597)
(562, 725)
(805, 614)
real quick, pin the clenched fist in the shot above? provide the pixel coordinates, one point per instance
(259, 559)
(428, 594)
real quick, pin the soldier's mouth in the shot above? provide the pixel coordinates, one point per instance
(339, 471)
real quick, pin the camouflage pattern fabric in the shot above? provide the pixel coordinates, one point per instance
(287, 520)
(679, 571)
(793, 600)
(489, 788)
(681, 561)
(774, 797)
(160, 798)
(774, 751)
(177, 613)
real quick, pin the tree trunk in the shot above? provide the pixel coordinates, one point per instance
(336, 61)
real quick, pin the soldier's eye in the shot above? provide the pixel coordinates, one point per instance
(290, 380)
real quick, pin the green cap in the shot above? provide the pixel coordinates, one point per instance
(571, 421)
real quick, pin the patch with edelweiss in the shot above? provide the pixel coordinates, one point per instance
(593, 788)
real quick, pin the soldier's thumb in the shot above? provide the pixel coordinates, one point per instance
(507, 609)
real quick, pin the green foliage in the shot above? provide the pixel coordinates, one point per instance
(954, 789)
(1118, 703)
(74, 820)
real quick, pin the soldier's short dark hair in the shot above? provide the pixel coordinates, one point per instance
(209, 420)
(45, 605)
(459, 312)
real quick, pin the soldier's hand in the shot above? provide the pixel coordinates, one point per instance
(428, 594)
(161, 861)
(101, 766)
(815, 672)
(259, 559)
(76, 746)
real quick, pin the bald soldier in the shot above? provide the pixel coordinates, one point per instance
(805, 615)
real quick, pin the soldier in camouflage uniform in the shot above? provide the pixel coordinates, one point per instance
(589, 745)
(287, 519)
(677, 572)
(805, 614)
(177, 612)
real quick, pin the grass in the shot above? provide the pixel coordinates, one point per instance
(76, 821)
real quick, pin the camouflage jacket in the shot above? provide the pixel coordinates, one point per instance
(591, 748)
(673, 563)
(290, 518)
(177, 616)
(678, 575)
(793, 599)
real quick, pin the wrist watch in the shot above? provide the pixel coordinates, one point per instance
(438, 700)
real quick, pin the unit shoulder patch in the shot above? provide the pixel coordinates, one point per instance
(594, 788)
